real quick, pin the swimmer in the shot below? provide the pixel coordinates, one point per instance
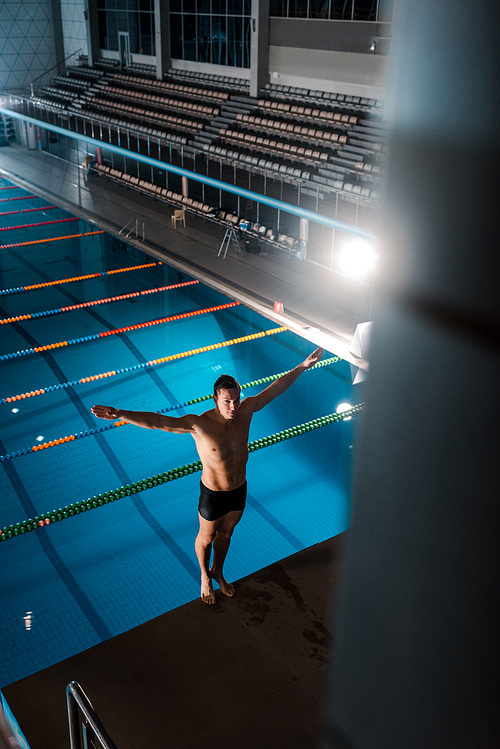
(221, 439)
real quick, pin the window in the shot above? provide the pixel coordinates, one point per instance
(135, 17)
(211, 31)
(339, 10)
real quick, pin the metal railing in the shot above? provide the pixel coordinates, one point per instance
(134, 227)
(8, 737)
(84, 734)
(58, 66)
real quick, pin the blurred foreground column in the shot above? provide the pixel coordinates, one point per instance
(417, 655)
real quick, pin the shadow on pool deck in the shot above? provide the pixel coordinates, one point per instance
(248, 673)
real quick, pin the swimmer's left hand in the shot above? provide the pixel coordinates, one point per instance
(313, 358)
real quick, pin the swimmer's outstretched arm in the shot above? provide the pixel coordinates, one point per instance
(279, 386)
(147, 419)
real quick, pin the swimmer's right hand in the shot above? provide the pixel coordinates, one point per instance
(105, 412)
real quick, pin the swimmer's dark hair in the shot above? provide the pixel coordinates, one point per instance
(226, 382)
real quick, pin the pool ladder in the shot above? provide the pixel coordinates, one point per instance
(230, 237)
(136, 227)
(88, 733)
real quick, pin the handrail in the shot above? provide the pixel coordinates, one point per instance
(76, 698)
(8, 739)
(46, 72)
(196, 177)
(134, 225)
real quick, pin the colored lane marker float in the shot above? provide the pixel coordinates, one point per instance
(32, 524)
(71, 279)
(141, 365)
(20, 197)
(39, 223)
(167, 409)
(50, 239)
(29, 210)
(117, 331)
(82, 305)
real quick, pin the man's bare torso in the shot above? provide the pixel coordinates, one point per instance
(223, 448)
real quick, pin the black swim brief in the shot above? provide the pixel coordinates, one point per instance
(213, 504)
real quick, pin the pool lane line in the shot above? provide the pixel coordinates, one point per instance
(113, 460)
(20, 197)
(167, 409)
(29, 210)
(67, 578)
(40, 223)
(92, 303)
(72, 279)
(50, 239)
(142, 365)
(116, 331)
(41, 521)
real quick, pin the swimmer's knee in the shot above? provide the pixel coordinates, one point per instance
(225, 533)
(206, 539)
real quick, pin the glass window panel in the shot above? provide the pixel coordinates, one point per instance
(297, 8)
(133, 5)
(204, 6)
(189, 6)
(365, 10)
(176, 36)
(319, 8)
(278, 8)
(245, 63)
(219, 40)
(133, 31)
(110, 4)
(204, 38)
(146, 21)
(219, 6)
(341, 9)
(385, 8)
(235, 7)
(146, 5)
(175, 6)
(101, 25)
(122, 4)
(234, 41)
(189, 37)
(122, 20)
(112, 31)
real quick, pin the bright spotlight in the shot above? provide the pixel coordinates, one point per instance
(357, 258)
(342, 408)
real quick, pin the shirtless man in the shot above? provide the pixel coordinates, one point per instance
(221, 437)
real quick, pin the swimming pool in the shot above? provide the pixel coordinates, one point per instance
(72, 584)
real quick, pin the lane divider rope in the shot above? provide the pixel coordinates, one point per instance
(41, 521)
(93, 302)
(167, 409)
(20, 197)
(141, 365)
(117, 331)
(50, 239)
(39, 223)
(71, 279)
(29, 210)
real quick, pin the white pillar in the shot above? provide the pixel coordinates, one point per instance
(417, 651)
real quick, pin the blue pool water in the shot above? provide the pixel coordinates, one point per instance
(75, 583)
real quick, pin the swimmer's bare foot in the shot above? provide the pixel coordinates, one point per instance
(225, 587)
(207, 592)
